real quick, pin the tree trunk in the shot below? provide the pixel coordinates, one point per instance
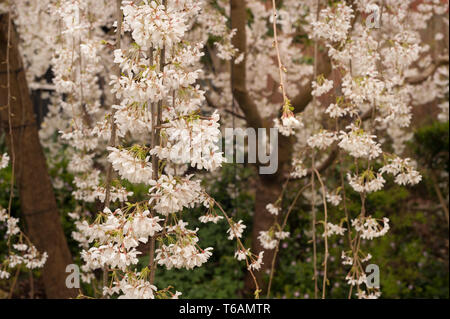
(37, 200)
(268, 190)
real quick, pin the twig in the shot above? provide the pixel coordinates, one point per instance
(281, 68)
(155, 162)
(313, 168)
(415, 80)
(326, 235)
(211, 104)
(439, 194)
(13, 286)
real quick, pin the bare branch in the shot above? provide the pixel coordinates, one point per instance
(213, 105)
(419, 79)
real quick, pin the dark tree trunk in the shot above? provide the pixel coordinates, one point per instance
(37, 200)
(268, 190)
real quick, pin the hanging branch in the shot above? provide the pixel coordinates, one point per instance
(281, 68)
(325, 263)
(156, 140)
(313, 168)
(112, 140)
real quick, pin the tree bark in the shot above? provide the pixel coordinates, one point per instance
(238, 10)
(267, 191)
(37, 200)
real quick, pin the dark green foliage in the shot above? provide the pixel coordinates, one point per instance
(431, 145)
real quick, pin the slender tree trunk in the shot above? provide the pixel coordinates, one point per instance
(37, 200)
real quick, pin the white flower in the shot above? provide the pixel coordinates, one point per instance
(289, 123)
(403, 170)
(236, 230)
(111, 255)
(346, 260)
(299, 169)
(4, 274)
(333, 23)
(412, 178)
(267, 240)
(129, 166)
(194, 142)
(242, 254)
(184, 253)
(80, 163)
(136, 289)
(171, 195)
(359, 144)
(370, 228)
(372, 295)
(334, 199)
(152, 25)
(351, 280)
(366, 183)
(324, 87)
(210, 218)
(176, 295)
(12, 228)
(142, 226)
(322, 140)
(256, 265)
(282, 235)
(335, 111)
(4, 160)
(274, 210)
(334, 229)
(20, 247)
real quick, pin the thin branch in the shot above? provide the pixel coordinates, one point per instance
(155, 161)
(211, 104)
(281, 68)
(13, 287)
(313, 168)
(112, 140)
(272, 271)
(325, 263)
(439, 194)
